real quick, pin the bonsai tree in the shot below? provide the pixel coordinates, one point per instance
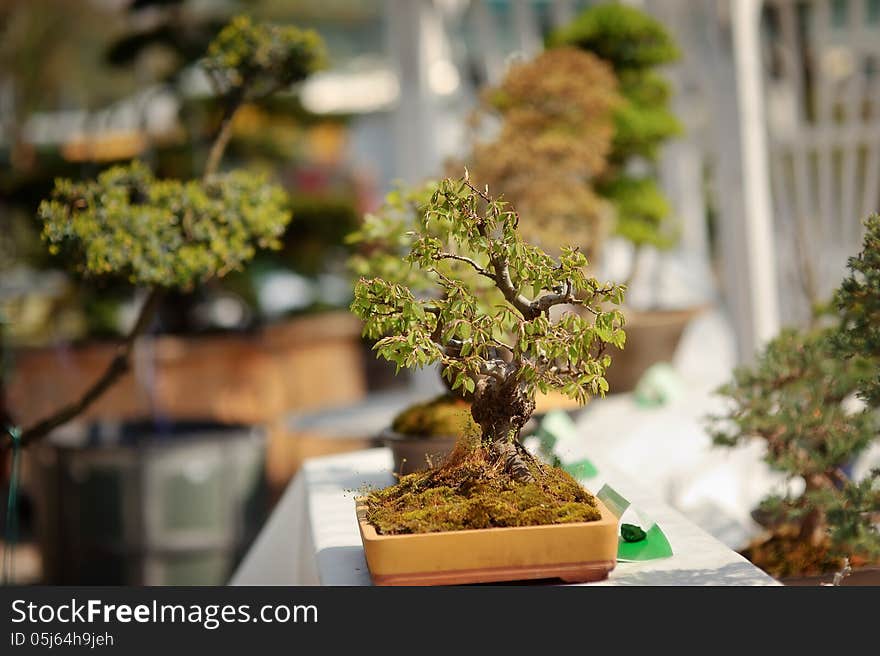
(858, 300)
(800, 398)
(380, 243)
(501, 346)
(635, 44)
(268, 133)
(556, 129)
(170, 235)
(795, 399)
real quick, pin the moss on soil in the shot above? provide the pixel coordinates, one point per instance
(469, 492)
(442, 416)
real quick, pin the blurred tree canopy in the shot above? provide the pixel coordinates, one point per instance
(132, 54)
(635, 44)
(556, 130)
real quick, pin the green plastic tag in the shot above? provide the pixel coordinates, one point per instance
(558, 425)
(659, 385)
(651, 546)
(613, 500)
(654, 545)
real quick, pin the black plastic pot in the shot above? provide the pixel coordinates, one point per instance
(149, 504)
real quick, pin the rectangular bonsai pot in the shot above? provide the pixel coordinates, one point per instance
(576, 553)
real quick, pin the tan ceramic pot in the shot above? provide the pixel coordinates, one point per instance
(577, 552)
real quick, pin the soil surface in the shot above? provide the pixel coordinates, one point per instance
(470, 491)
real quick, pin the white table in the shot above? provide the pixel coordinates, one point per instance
(312, 536)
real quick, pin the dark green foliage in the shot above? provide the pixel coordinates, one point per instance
(164, 232)
(798, 399)
(859, 302)
(852, 515)
(254, 59)
(635, 44)
(793, 398)
(623, 35)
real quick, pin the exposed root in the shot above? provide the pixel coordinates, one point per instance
(513, 462)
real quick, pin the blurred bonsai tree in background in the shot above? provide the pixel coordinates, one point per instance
(504, 348)
(162, 234)
(248, 61)
(145, 58)
(858, 300)
(797, 398)
(385, 236)
(635, 44)
(556, 129)
(802, 398)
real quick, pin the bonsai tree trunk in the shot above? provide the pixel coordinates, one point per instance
(813, 528)
(815, 524)
(501, 407)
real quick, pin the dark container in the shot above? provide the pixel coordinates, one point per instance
(149, 503)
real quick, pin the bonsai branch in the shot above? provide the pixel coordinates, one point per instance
(500, 274)
(224, 133)
(495, 368)
(121, 362)
(499, 261)
(118, 366)
(547, 301)
(460, 258)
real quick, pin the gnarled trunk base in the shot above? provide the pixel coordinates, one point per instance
(502, 408)
(513, 457)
